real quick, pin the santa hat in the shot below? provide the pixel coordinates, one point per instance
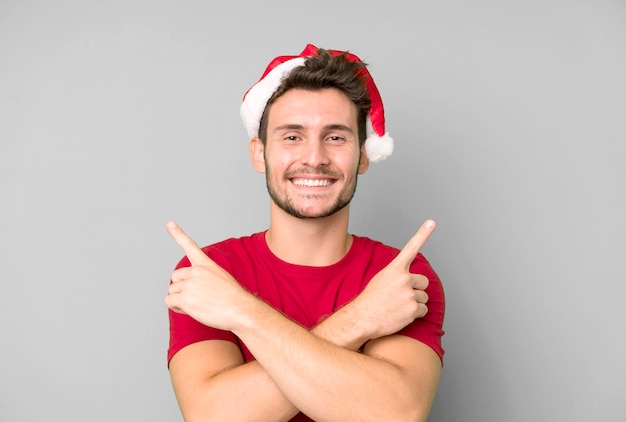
(378, 143)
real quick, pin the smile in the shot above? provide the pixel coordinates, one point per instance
(312, 182)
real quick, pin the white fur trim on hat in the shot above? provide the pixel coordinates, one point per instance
(377, 147)
(256, 98)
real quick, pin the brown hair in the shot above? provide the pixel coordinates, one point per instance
(325, 71)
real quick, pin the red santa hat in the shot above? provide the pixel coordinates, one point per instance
(378, 143)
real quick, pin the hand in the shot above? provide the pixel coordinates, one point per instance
(204, 291)
(395, 297)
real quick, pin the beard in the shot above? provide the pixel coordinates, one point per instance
(286, 203)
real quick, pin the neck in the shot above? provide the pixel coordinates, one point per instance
(314, 241)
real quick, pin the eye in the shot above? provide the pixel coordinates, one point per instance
(291, 138)
(336, 138)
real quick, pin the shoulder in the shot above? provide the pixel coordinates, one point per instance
(370, 246)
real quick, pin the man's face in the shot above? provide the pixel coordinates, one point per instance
(312, 157)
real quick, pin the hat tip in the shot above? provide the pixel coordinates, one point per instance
(378, 148)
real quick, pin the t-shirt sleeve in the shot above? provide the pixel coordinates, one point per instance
(429, 329)
(184, 330)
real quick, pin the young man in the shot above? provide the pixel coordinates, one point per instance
(305, 321)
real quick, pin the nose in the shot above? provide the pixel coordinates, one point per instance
(314, 153)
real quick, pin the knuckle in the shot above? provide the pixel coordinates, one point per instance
(405, 279)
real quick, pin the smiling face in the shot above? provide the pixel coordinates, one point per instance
(312, 157)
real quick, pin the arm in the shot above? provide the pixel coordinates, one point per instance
(225, 388)
(217, 391)
(229, 389)
(205, 395)
(395, 380)
(308, 361)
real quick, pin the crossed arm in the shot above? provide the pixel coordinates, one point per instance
(317, 372)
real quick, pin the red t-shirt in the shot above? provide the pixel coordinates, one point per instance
(307, 294)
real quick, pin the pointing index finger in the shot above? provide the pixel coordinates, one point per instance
(187, 244)
(413, 246)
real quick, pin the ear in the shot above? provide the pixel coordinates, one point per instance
(257, 154)
(364, 162)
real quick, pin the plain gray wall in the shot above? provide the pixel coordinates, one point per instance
(509, 120)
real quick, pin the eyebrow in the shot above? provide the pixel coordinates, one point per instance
(334, 126)
(288, 127)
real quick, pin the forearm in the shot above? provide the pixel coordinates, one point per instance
(322, 379)
(245, 391)
(343, 329)
(242, 393)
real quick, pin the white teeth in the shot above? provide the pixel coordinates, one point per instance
(311, 182)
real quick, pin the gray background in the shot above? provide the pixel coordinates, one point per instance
(509, 121)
